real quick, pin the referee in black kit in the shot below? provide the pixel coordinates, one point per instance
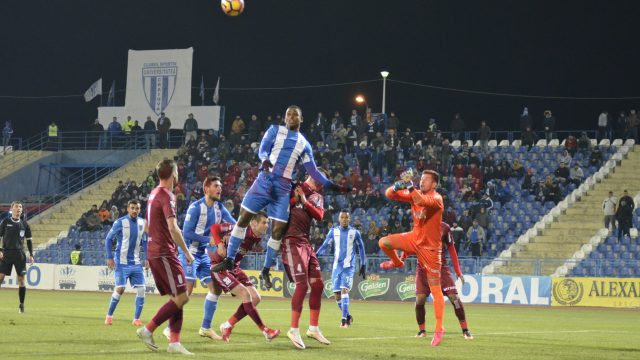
(13, 231)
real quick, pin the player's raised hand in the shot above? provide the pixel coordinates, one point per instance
(188, 257)
(30, 259)
(265, 276)
(399, 185)
(300, 194)
(111, 264)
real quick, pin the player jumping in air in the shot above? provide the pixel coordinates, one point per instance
(281, 149)
(164, 235)
(13, 232)
(130, 243)
(300, 261)
(235, 280)
(448, 285)
(201, 215)
(424, 240)
(345, 239)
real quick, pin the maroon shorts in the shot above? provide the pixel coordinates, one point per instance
(168, 275)
(300, 261)
(229, 279)
(446, 282)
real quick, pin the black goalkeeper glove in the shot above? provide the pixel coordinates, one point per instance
(226, 264)
(363, 271)
(265, 276)
(337, 188)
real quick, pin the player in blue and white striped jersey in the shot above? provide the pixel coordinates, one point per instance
(345, 240)
(201, 215)
(129, 234)
(281, 149)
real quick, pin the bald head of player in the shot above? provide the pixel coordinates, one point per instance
(167, 171)
(259, 224)
(344, 218)
(429, 180)
(293, 117)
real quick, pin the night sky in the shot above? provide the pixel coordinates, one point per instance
(550, 48)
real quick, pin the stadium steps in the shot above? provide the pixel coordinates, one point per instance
(50, 223)
(14, 160)
(576, 226)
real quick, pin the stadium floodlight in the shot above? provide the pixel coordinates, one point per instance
(360, 99)
(384, 74)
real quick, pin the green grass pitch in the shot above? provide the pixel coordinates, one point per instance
(65, 325)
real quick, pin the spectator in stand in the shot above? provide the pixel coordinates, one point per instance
(595, 159)
(340, 134)
(565, 158)
(458, 235)
(465, 220)
(370, 128)
(486, 202)
(190, 129)
(502, 192)
(549, 124)
(196, 191)
(321, 125)
(7, 131)
(457, 126)
(127, 125)
(525, 120)
(390, 152)
(476, 176)
(576, 175)
(529, 138)
(136, 131)
(115, 131)
(352, 139)
(473, 159)
(103, 214)
(355, 120)
(621, 126)
(237, 128)
(450, 216)
(571, 144)
(75, 258)
(446, 153)
(503, 170)
(551, 190)
(254, 128)
(609, 207)
(632, 125)
(393, 122)
(562, 173)
(484, 132)
(113, 214)
(476, 237)
(584, 143)
(97, 133)
(603, 125)
(432, 128)
(517, 170)
(463, 153)
(213, 139)
(406, 144)
(163, 124)
(459, 173)
(150, 133)
(364, 157)
(624, 215)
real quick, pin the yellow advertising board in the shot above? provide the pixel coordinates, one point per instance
(254, 275)
(587, 291)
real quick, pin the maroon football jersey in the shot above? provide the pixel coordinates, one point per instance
(161, 206)
(300, 219)
(446, 240)
(250, 240)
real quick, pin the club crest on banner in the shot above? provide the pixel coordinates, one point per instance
(159, 84)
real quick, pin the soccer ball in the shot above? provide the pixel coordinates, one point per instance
(232, 7)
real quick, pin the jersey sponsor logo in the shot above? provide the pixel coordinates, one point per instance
(407, 288)
(373, 286)
(567, 292)
(420, 214)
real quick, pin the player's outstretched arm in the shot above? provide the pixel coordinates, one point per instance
(176, 236)
(226, 215)
(311, 167)
(362, 254)
(454, 259)
(115, 229)
(400, 195)
(326, 243)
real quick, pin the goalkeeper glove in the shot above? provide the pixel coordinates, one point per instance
(266, 277)
(399, 185)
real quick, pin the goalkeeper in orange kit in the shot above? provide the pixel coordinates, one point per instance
(424, 240)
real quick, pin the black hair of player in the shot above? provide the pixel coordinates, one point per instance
(165, 169)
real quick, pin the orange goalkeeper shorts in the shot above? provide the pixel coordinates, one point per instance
(429, 259)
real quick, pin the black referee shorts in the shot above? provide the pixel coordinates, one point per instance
(13, 258)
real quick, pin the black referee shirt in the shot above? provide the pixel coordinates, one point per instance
(13, 232)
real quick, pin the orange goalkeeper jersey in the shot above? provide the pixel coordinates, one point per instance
(427, 215)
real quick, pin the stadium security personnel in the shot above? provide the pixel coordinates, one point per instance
(75, 258)
(13, 231)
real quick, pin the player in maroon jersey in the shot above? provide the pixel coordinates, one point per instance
(164, 234)
(235, 280)
(448, 285)
(300, 261)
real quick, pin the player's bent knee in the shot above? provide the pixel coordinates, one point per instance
(345, 291)
(421, 299)
(384, 242)
(120, 290)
